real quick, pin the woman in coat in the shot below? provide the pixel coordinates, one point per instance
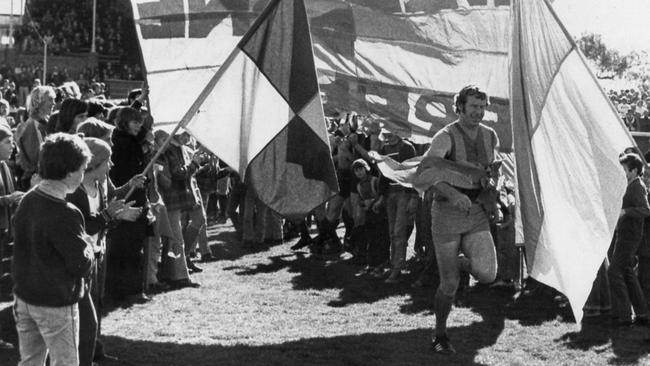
(125, 262)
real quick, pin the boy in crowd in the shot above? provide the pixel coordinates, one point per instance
(52, 256)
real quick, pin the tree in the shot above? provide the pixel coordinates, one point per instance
(609, 62)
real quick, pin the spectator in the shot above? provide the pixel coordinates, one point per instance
(625, 287)
(397, 200)
(96, 110)
(71, 114)
(92, 127)
(52, 256)
(30, 134)
(125, 277)
(9, 198)
(5, 118)
(92, 199)
(630, 119)
(175, 198)
(182, 197)
(374, 243)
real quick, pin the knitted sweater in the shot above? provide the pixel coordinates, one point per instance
(51, 257)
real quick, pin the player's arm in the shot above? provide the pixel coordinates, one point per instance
(440, 147)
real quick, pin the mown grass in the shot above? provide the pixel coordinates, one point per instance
(271, 306)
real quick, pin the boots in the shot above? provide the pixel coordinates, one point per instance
(305, 239)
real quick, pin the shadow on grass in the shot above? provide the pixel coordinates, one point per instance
(532, 308)
(400, 348)
(316, 273)
(397, 348)
(628, 343)
(226, 245)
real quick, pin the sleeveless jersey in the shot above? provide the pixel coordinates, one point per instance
(463, 148)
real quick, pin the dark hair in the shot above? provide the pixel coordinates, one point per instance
(147, 122)
(126, 115)
(59, 95)
(95, 109)
(21, 115)
(133, 94)
(61, 154)
(631, 150)
(69, 109)
(632, 161)
(460, 99)
(360, 163)
(112, 115)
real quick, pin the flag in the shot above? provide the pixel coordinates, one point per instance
(262, 113)
(567, 139)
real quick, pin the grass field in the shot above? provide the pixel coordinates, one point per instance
(272, 306)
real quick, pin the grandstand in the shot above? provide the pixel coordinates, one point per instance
(67, 27)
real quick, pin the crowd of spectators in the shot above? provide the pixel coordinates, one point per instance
(633, 106)
(137, 248)
(67, 26)
(17, 80)
(124, 71)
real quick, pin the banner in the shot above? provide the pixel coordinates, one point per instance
(398, 62)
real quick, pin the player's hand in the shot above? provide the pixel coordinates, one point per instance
(462, 202)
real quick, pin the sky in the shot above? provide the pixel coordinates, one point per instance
(623, 24)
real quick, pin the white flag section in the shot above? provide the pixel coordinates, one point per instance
(181, 51)
(567, 139)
